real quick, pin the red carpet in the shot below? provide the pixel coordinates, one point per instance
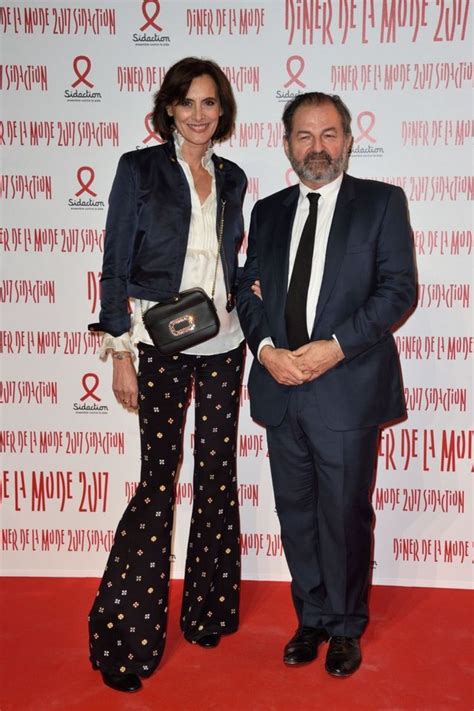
(418, 654)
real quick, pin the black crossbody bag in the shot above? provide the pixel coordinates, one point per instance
(189, 318)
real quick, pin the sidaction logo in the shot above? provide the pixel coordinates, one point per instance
(294, 86)
(150, 137)
(84, 197)
(89, 403)
(82, 89)
(150, 32)
(364, 145)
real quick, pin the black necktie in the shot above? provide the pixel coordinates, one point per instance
(295, 311)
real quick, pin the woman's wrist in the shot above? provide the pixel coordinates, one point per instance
(121, 355)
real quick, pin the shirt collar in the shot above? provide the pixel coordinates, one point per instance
(327, 192)
(178, 144)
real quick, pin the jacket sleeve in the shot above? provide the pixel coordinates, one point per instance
(250, 307)
(114, 317)
(395, 288)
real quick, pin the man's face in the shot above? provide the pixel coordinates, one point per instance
(317, 147)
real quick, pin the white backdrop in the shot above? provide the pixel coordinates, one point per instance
(76, 86)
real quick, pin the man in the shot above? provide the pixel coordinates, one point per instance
(326, 279)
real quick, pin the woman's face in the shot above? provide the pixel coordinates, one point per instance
(196, 117)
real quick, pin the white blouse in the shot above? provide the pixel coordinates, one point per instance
(199, 268)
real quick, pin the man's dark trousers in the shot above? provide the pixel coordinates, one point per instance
(322, 481)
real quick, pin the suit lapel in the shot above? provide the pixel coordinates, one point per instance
(337, 240)
(220, 176)
(283, 226)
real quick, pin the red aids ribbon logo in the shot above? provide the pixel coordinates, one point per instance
(81, 75)
(85, 185)
(294, 76)
(367, 118)
(90, 390)
(151, 133)
(150, 20)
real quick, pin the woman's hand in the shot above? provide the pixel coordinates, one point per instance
(124, 383)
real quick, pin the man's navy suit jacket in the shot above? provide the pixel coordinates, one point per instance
(369, 284)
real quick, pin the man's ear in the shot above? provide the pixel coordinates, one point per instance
(285, 146)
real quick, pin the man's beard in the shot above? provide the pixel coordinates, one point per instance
(318, 167)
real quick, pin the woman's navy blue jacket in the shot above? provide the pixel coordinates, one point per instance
(147, 231)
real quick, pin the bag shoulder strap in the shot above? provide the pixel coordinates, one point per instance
(219, 247)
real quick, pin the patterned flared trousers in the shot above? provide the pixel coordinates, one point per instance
(127, 622)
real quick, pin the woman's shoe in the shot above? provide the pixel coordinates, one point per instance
(209, 640)
(122, 682)
(119, 682)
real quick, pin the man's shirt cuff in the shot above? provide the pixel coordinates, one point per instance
(266, 342)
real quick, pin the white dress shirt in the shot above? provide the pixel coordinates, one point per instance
(326, 207)
(198, 270)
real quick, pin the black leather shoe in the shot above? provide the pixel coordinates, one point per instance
(303, 646)
(122, 682)
(343, 657)
(209, 641)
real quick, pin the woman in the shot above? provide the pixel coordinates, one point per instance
(166, 205)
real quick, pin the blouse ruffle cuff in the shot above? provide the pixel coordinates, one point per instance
(116, 343)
